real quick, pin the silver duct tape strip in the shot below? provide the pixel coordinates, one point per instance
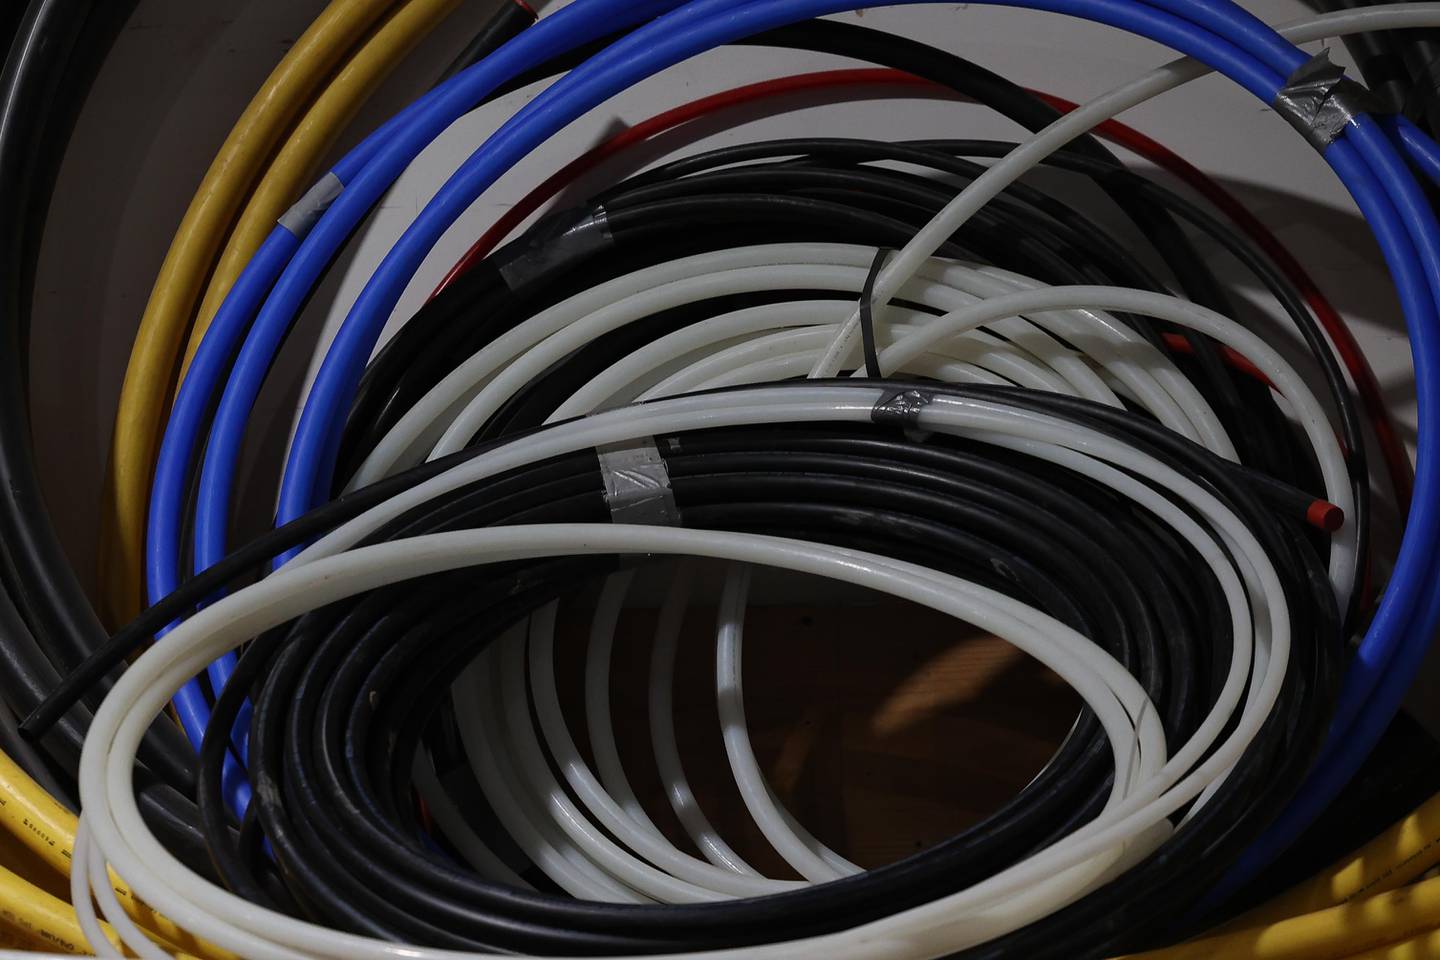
(1320, 101)
(902, 408)
(637, 484)
(302, 216)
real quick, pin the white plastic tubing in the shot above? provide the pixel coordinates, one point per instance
(1152, 782)
(781, 341)
(590, 833)
(746, 346)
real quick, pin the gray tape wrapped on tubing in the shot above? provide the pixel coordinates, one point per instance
(557, 240)
(305, 211)
(902, 408)
(637, 484)
(1320, 101)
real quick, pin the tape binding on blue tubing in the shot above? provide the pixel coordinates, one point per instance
(306, 468)
(1320, 101)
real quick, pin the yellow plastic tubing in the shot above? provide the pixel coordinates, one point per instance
(47, 829)
(1345, 894)
(1393, 859)
(1338, 932)
(156, 352)
(1426, 946)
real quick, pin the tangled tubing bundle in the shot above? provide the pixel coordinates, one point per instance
(901, 367)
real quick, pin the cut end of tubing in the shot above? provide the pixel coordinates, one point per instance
(1325, 515)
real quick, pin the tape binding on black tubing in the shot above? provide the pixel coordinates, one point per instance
(637, 484)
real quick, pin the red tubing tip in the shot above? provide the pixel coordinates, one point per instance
(527, 8)
(1325, 515)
